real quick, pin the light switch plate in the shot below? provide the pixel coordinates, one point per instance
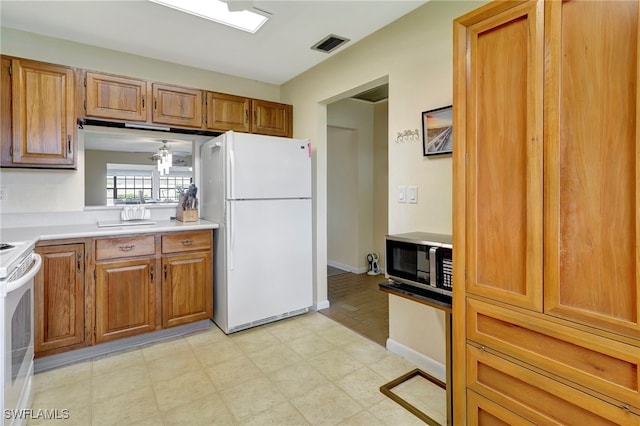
(412, 194)
(402, 194)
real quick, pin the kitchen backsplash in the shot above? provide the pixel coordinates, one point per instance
(89, 216)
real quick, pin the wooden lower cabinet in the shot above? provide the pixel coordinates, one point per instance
(536, 397)
(484, 412)
(187, 293)
(96, 290)
(125, 298)
(59, 299)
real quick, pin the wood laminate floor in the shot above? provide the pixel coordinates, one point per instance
(358, 304)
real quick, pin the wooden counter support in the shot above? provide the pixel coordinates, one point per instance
(436, 301)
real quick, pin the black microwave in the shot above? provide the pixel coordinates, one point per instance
(421, 259)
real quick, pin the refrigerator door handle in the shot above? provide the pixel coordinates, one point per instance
(213, 146)
(230, 175)
(232, 236)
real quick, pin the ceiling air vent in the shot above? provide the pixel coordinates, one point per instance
(329, 43)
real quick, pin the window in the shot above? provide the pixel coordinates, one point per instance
(168, 185)
(125, 183)
(128, 187)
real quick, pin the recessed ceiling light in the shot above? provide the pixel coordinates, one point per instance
(217, 11)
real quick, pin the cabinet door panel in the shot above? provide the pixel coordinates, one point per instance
(125, 299)
(540, 399)
(43, 114)
(115, 97)
(484, 412)
(608, 367)
(592, 215)
(59, 298)
(271, 118)
(227, 112)
(177, 106)
(187, 289)
(6, 119)
(503, 176)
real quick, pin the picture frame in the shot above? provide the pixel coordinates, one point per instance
(437, 131)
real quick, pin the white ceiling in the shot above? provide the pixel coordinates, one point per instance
(279, 51)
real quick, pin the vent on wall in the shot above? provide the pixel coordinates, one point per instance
(329, 43)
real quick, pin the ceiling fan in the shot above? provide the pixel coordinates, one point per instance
(162, 152)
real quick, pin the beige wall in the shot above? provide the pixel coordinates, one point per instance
(356, 183)
(351, 236)
(96, 172)
(414, 54)
(63, 190)
(380, 177)
(342, 198)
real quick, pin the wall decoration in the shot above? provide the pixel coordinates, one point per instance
(437, 129)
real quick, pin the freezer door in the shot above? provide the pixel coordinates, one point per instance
(267, 167)
(269, 259)
(211, 192)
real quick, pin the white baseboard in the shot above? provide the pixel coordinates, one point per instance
(322, 305)
(347, 268)
(425, 363)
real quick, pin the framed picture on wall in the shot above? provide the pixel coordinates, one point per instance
(437, 130)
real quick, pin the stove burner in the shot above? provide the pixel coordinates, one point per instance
(5, 246)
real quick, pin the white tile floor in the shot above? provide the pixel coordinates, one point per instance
(304, 370)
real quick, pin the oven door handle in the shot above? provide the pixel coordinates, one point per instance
(14, 285)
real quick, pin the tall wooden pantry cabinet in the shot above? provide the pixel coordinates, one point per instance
(546, 213)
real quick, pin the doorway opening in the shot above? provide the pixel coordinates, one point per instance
(357, 206)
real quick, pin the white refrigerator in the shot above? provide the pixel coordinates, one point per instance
(258, 188)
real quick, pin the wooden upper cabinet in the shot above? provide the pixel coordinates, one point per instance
(504, 157)
(6, 120)
(121, 98)
(177, 106)
(43, 108)
(228, 112)
(271, 118)
(592, 231)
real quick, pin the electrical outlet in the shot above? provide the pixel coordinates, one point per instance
(1, 193)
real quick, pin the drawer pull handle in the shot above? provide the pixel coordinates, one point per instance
(127, 248)
(626, 408)
(186, 242)
(482, 348)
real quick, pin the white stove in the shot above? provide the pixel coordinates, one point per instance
(18, 267)
(15, 259)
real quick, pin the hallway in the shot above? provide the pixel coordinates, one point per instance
(357, 303)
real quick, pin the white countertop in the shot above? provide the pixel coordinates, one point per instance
(38, 233)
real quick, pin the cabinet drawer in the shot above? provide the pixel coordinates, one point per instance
(114, 248)
(484, 412)
(537, 398)
(186, 241)
(604, 365)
